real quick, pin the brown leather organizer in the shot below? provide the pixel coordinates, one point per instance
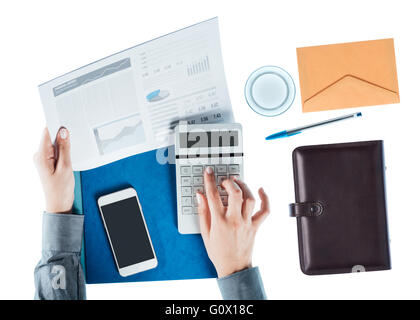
(341, 208)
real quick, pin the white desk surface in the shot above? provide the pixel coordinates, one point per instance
(42, 41)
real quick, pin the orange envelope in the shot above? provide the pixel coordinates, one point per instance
(348, 75)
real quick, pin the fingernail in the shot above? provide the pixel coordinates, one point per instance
(63, 133)
(198, 197)
(209, 170)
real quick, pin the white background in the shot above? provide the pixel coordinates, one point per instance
(44, 39)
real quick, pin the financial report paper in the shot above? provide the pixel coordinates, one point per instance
(130, 102)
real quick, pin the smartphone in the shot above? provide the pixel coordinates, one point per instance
(127, 232)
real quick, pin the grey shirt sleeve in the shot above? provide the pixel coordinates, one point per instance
(243, 285)
(59, 274)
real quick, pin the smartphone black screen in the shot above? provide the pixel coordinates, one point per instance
(127, 232)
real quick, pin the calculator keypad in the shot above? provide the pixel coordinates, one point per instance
(192, 181)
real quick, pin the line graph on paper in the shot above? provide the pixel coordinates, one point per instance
(107, 71)
(92, 76)
(120, 134)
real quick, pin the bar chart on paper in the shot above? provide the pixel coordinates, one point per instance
(178, 83)
(198, 67)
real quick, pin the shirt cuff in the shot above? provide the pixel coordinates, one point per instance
(62, 232)
(243, 285)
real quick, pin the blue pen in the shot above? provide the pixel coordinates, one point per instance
(288, 133)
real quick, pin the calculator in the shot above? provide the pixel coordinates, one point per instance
(196, 148)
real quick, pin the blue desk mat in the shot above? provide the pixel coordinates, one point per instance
(179, 256)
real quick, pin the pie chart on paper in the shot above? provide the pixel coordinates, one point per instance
(157, 95)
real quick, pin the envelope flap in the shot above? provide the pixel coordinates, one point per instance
(322, 66)
(347, 93)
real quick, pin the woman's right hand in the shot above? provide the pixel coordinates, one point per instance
(229, 232)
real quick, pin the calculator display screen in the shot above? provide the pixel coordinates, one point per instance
(209, 139)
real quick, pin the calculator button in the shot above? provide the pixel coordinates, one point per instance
(185, 181)
(195, 210)
(212, 167)
(197, 170)
(198, 180)
(186, 191)
(187, 210)
(221, 168)
(222, 191)
(186, 201)
(224, 200)
(220, 179)
(185, 170)
(198, 189)
(234, 169)
(195, 201)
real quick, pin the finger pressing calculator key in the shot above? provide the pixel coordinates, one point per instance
(220, 179)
